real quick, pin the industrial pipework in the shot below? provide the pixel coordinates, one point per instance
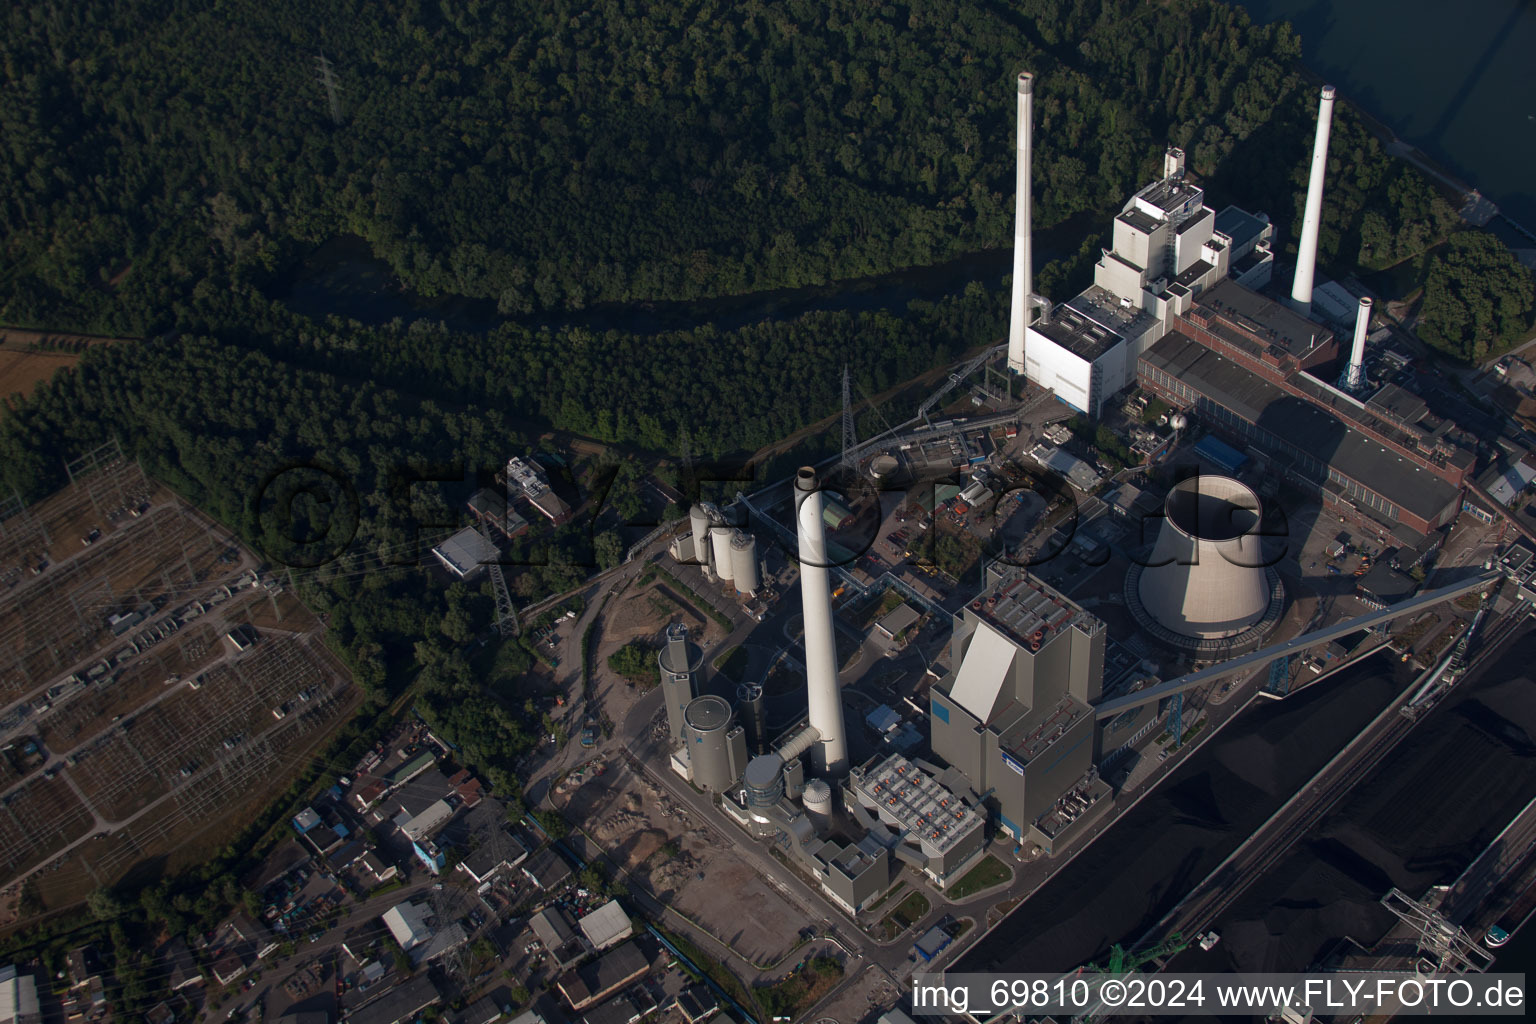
(1306, 249)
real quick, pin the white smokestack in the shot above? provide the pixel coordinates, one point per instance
(1354, 377)
(1023, 263)
(1306, 250)
(829, 755)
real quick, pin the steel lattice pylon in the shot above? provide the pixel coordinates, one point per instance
(1279, 676)
(506, 615)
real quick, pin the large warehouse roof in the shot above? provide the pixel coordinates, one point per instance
(1302, 424)
(466, 552)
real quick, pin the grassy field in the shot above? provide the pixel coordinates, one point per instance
(988, 873)
(907, 913)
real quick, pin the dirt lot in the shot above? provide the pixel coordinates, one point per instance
(23, 365)
(689, 864)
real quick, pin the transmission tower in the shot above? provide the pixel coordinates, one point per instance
(850, 441)
(506, 615)
(328, 81)
(1442, 943)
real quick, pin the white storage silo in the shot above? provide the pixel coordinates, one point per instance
(744, 562)
(720, 548)
(698, 521)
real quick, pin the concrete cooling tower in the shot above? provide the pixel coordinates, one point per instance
(1205, 577)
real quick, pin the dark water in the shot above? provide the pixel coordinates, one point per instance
(1130, 877)
(343, 278)
(1457, 80)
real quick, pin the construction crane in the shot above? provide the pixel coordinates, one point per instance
(1123, 961)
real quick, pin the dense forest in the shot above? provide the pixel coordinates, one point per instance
(167, 166)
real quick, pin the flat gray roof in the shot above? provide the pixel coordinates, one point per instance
(1303, 424)
(1076, 332)
(1254, 312)
(1240, 226)
(466, 552)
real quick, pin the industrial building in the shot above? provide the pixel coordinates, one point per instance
(525, 475)
(593, 982)
(1014, 714)
(1254, 372)
(466, 553)
(1168, 247)
(492, 509)
(928, 825)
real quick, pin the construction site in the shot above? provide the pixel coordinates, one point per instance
(151, 678)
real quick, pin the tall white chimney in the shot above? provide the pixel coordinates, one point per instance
(829, 754)
(1354, 377)
(1023, 263)
(1306, 249)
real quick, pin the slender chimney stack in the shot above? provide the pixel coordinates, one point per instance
(1023, 263)
(1306, 250)
(829, 754)
(1354, 377)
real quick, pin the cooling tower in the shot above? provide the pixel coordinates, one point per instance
(1206, 575)
(829, 755)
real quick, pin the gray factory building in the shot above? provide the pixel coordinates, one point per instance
(852, 874)
(929, 826)
(1014, 714)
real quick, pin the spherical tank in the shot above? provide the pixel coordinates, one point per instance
(706, 721)
(1178, 421)
(720, 546)
(1205, 577)
(744, 562)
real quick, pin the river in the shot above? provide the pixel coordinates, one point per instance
(1456, 80)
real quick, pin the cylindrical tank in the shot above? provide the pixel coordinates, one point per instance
(882, 467)
(706, 724)
(1206, 575)
(764, 780)
(744, 562)
(720, 547)
(680, 662)
(754, 715)
(817, 801)
(698, 520)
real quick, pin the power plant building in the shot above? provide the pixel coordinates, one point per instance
(1014, 715)
(1168, 247)
(1249, 368)
(925, 823)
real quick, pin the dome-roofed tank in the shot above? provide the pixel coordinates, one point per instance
(817, 800)
(1205, 577)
